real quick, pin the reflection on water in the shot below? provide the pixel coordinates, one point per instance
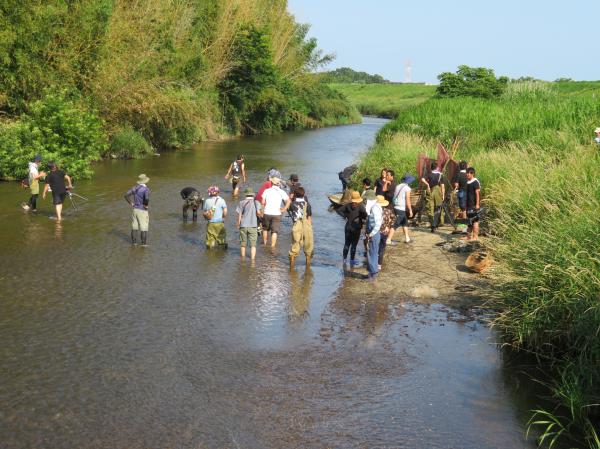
(105, 345)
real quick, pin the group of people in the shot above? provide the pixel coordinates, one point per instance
(256, 213)
(57, 182)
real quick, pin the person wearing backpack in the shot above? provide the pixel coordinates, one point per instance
(215, 212)
(302, 232)
(236, 170)
(249, 210)
(402, 206)
(33, 182)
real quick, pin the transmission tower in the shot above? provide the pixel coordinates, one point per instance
(408, 71)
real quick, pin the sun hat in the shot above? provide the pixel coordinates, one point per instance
(408, 178)
(248, 191)
(213, 190)
(382, 201)
(370, 195)
(597, 130)
(37, 158)
(355, 197)
(143, 179)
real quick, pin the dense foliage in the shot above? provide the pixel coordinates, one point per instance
(170, 72)
(532, 151)
(471, 82)
(347, 75)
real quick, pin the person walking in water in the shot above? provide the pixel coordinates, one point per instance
(302, 232)
(435, 195)
(215, 211)
(138, 198)
(236, 170)
(248, 212)
(191, 199)
(272, 200)
(374, 220)
(33, 179)
(355, 214)
(55, 182)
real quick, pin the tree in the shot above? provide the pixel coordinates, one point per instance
(472, 82)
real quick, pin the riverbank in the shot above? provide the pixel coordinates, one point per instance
(544, 229)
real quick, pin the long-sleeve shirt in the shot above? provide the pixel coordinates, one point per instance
(141, 196)
(375, 219)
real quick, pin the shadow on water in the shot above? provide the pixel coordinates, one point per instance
(109, 346)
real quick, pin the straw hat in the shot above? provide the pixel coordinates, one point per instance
(382, 201)
(355, 197)
(143, 179)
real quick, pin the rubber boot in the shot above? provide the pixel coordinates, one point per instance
(292, 260)
(133, 240)
(143, 237)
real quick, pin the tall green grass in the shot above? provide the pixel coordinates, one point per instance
(538, 168)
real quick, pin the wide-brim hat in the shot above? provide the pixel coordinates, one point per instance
(408, 178)
(248, 191)
(142, 179)
(370, 195)
(355, 197)
(382, 201)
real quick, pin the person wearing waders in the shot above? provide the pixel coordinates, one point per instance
(374, 221)
(302, 232)
(138, 198)
(355, 214)
(215, 211)
(435, 196)
(191, 199)
(236, 170)
(33, 179)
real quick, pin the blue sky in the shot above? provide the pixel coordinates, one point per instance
(545, 39)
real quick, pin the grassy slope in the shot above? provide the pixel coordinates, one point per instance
(384, 100)
(532, 149)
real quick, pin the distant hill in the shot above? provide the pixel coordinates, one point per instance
(347, 75)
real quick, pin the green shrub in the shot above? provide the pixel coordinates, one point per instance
(129, 144)
(471, 82)
(59, 130)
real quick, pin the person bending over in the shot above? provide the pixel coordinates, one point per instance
(191, 199)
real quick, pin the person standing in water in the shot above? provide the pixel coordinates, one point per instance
(215, 211)
(33, 178)
(248, 212)
(138, 198)
(272, 200)
(55, 181)
(236, 170)
(302, 232)
(355, 214)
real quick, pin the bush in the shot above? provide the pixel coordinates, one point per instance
(129, 144)
(56, 128)
(471, 82)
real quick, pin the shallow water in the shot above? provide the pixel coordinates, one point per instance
(173, 346)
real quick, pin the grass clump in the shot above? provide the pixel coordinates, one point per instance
(129, 144)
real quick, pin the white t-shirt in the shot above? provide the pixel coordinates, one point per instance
(273, 197)
(400, 196)
(33, 171)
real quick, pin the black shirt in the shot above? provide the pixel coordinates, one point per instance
(355, 216)
(472, 186)
(56, 181)
(379, 186)
(434, 179)
(461, 180)
(389, 194)
(185, 193)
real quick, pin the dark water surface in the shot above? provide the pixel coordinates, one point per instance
(170, 346)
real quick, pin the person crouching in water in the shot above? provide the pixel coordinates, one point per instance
(355, 214)
(249, 210)
(191, 199)
(215, 211)
(374, 221)
(302, 232)
(140, 194)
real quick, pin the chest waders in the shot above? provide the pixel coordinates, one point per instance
(302, 237)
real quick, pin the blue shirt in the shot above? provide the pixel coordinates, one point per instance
(141, 196)
(219, 206)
